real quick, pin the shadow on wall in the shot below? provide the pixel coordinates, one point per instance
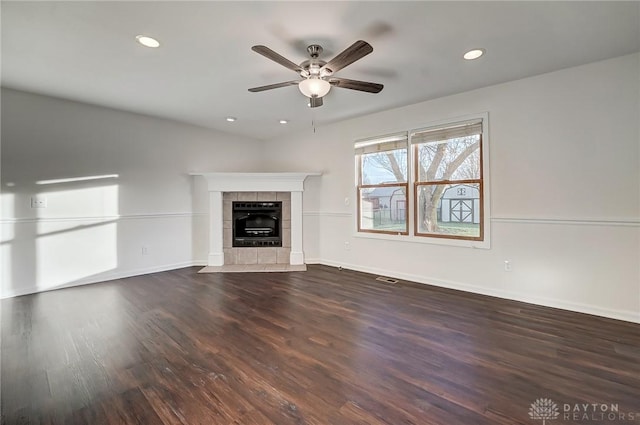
(58, 232)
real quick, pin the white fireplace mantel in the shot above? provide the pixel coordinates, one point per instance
(254, 182)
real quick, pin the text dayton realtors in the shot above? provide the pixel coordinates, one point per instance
(596, 412)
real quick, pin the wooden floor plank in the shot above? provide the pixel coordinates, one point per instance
(322, 347)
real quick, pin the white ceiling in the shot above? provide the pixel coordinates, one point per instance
(86, 51)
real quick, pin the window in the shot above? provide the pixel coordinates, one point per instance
(382, 184)
(425, 185)
(448, 181)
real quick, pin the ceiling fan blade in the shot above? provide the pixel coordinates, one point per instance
(344, 83)
(314, 102)
(270, 54)
(356, 51)
(274, 86)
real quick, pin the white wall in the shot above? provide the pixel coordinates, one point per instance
(94, 230)
(565, 191)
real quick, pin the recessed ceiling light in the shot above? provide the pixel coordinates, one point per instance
(283, 121)
(147, 41)
(473, 54)
(231, 119)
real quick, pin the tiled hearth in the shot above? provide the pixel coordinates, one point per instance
(224, 189)
(254, 268)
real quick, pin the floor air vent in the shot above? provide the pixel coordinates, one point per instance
(386, 279)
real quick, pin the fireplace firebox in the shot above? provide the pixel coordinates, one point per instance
(257, 224)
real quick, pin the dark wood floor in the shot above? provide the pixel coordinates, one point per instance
(324, 347)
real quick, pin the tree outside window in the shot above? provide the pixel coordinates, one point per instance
(382, 184)
(448, 182)
(447, 177)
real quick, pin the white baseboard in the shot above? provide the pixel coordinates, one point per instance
(118, 274)
(313, 261)
(628, 316)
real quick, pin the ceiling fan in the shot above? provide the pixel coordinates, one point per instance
(317, 75)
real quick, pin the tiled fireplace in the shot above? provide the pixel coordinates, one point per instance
(261, 254)
(227, 188)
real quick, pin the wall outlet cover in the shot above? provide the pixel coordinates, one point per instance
(38, 202)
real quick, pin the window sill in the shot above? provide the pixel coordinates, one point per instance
(485, 244)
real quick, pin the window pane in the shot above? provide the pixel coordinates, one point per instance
(384, 167)
(453, 159)
(449, 209)
(383, 208)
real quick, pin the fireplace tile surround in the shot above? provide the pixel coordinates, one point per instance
(266, 255)
(224, 189)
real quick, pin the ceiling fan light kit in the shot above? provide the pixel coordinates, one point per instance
(314, 87)
(317, 75)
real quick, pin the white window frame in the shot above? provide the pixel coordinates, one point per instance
(400, 138)
(411, 176)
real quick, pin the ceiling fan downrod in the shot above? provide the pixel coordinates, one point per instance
(314, 50)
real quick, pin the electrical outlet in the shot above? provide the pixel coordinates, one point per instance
(145, 250)
(347, 246)
(508, 266)
(39, 201)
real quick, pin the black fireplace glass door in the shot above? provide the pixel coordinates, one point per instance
(257, 224)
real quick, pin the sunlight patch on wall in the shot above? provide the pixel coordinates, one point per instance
(77, 179)
(70, 255)
(5, 265)
(7, 208)
(78, 237)
(7, 233)
(100, 201)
